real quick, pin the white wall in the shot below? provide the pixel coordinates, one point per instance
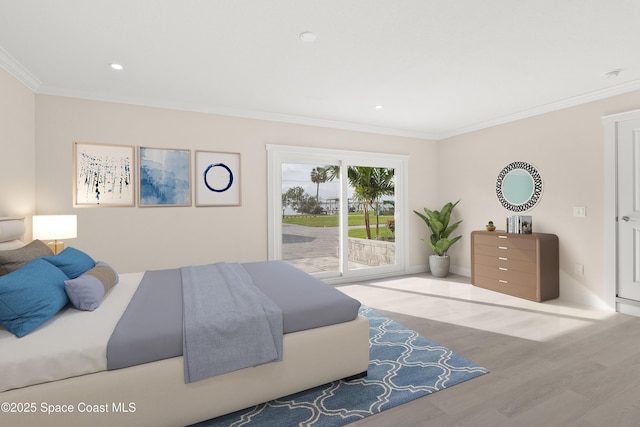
(136, 239)
(17, 148)
(567, 147)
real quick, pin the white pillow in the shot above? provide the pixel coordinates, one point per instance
(11, 229)
(11, 244)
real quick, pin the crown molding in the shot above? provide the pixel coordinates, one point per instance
(16, 69)
(546, 108)
(356, 127)
(247, 114)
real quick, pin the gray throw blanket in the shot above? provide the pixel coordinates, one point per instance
(245, 331)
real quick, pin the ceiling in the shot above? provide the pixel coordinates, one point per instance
(437, 68)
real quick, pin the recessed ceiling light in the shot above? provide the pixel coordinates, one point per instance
(378, 107)
(307, 36)
(117, 67)
(612, 74)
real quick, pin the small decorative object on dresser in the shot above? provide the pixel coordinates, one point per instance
(522, 265)
(490, 226)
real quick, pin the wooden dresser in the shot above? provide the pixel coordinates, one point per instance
(522, 265)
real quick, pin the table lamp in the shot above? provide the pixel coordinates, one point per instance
(55, 227)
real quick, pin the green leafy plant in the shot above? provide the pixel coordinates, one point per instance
(438, 223)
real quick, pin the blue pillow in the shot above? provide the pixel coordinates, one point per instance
(30, 296)
(72, 262)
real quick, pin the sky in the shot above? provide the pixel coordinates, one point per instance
(299, 175)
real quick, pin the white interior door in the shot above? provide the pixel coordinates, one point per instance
(628, 209)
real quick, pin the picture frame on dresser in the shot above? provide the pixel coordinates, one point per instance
(103, 175)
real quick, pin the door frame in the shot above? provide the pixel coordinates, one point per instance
(276, 153)
(611, 213)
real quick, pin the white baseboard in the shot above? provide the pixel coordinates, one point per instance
(424, 268)
(631, 308)
(461, 271)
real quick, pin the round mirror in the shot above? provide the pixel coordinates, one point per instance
(519, 186)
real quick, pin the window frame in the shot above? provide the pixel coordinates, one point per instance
(279, 154)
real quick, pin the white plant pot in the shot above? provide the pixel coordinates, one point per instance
(439, 265)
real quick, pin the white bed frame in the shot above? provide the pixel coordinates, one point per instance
(154, 394)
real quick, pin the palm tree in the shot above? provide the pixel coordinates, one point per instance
(370, 184)
(318, 176)
(382, 184)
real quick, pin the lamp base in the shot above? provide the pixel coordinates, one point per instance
(56, 247)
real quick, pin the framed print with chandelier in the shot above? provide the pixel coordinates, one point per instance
(217, 179)
(103, 175)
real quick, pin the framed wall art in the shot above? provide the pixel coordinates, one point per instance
(165, 177)
(217, 178)
(103, 175)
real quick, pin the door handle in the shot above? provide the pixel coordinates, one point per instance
(626, 218)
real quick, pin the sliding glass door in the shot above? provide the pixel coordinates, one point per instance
(336, 213)
(371, 218)
(310, 222)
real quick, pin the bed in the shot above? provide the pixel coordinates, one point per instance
(57, 373)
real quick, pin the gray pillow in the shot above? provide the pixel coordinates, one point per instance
(86, 291)
(16, 258)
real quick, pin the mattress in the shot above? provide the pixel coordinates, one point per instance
(151, 328)
(75, 341)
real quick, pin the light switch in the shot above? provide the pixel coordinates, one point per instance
(579, 211)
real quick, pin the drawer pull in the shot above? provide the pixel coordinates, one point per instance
(503, 281)
(502, 237)
(501, 258)
(503, 269)
(503, 247)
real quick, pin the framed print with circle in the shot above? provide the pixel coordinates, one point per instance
(217, 179)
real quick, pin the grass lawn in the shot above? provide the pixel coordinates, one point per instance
(354, 220)
(332, 220)
(361, 233)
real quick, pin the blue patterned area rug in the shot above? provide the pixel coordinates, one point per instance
(403, 366)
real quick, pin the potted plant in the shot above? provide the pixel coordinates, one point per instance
(438, 223)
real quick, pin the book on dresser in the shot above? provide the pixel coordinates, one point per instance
(520, 224)
(522, 265)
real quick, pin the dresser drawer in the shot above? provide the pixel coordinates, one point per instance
(505, 252)
(506, 241)
(515, 289)
(505, 263)
(507, 276)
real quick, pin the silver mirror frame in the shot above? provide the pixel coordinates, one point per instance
(537, 187)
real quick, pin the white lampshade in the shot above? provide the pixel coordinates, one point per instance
(55, 227)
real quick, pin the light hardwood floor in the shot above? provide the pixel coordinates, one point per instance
(551, 364)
